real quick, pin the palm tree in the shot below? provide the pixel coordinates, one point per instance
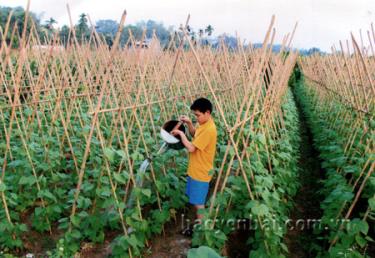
(82, 28)
(82, 23)
(48, 28)
(209, 29)
(50, 23)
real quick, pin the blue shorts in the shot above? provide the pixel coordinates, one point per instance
(196, 191)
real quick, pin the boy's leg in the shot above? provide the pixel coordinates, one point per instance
(197, 193)
(198, 216)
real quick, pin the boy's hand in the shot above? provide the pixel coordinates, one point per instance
(185, 119)
(177, 132)
(189, 123)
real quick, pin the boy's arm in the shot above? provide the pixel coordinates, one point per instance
(188, 145)
(191, 128)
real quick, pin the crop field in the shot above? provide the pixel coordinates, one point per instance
(338, 94)
(78, 122)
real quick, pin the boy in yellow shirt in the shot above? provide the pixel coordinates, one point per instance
(201, 152)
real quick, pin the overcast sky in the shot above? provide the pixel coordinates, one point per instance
(321, 22)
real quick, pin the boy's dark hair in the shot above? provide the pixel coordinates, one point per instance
(202, 104)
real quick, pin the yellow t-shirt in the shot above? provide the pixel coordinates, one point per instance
(202, 159)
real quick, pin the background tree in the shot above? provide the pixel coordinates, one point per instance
(228, 40)
(152, 26)
(50, 22)
(313, 50)
(108, 29)
(48, 28)
(209, 29)
(64, 34)
(82, 29)
(18, 18)
(135, 30)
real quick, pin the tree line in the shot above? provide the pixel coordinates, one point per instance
(106, 28)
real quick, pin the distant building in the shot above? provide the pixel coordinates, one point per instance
(142, 44)
(149, 44)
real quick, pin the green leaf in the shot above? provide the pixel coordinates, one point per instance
(22, 227)
(2, 187)
(262, 139)
(203, 252)
(104, 192)
(57, 209)
(260, 210)
(28, 112)
(347, 196)
(135, 216)
(284, 247)
(371, 203)
(47, 194)
(231, 151)
(146, 192)
(364, 227)
(275, 162)
(137, 156)
(76, 234)
(109, 154)
(119, 178)
(75, 220)
(356, 226)
(220, 235)
(27, 180)
(16, 163)
(133, 241)
(251, 204)
(64, 224)
(83, 203)
(121, 153)
(121, 205)
(360, 241)
(160, 216)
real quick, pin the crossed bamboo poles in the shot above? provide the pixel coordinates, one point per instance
(87, 86)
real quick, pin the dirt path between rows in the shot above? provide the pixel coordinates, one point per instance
(300, 238)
